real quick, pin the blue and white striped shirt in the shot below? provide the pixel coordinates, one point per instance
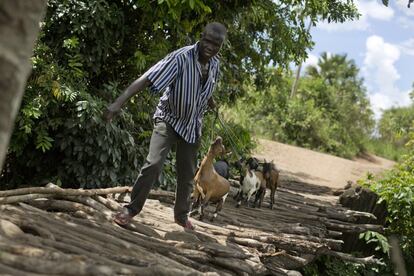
(185, 97)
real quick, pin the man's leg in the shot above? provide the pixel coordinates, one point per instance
(186, 168)
(163, 137)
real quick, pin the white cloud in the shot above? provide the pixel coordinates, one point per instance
(369, 10)
(375, 9)
(312, 60)
(405, 22)
(407, 47)
(402, 6)
(381, 102)
(381, 75)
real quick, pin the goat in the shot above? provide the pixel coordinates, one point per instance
(209, 185)
(253, 183)
(248, 187)
(252, 163)
(271, 174)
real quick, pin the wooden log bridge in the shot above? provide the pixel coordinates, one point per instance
(49, 230)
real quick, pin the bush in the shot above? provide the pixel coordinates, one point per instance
(396, 188)
(330, 266)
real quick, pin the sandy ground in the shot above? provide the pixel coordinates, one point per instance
(317, 168)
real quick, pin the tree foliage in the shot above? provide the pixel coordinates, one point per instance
(396, 188)
(330, 113)
(395, 125)
(393, 131)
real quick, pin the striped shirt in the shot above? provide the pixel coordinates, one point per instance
(185, 97)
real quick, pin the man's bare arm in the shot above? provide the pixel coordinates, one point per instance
(136, 86)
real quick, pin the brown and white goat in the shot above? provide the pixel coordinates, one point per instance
(271, 174)
(209, 185)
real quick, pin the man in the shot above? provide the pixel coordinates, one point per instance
(188, 77)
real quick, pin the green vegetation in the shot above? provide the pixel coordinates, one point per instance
(394, 128)
(396, 188)
(329, 113)
(331, 266)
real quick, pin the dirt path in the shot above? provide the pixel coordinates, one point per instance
(317, 168)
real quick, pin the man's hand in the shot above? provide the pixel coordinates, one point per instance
(111, 111)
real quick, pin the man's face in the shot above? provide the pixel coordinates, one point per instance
(210, 44)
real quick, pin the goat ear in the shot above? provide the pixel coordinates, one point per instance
(265, 160)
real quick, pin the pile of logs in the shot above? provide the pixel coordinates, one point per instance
(50, 230)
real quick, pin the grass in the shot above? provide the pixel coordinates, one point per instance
(386, 150)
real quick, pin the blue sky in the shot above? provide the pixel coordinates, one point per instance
(381, 43)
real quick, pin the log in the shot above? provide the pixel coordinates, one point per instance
(162, 196)
(262, 247)
(286, 261)
(7, 270)
(67, 267)
(59, 191)
(352, 228)
(371, 260)
(22, 198)
(236, 265)
(108, 203)
(67, 206)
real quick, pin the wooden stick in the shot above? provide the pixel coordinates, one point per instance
(59, 191)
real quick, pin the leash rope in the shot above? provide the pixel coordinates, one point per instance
(231, 135)
(233, 140)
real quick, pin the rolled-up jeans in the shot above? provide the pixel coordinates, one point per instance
(162, 139)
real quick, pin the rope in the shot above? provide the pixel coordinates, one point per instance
(213, 124)
(231, 135)
(234, 141)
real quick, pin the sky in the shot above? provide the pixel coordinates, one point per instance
(381, 43)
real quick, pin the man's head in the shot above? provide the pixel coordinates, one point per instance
(211, 40)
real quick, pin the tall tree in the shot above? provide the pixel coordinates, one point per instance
(18, 30)
(345, 98)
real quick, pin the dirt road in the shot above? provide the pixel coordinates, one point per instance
(317, 168)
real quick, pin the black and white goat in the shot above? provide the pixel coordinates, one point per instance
(252, 183)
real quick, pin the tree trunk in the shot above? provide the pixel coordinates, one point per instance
(19, 26)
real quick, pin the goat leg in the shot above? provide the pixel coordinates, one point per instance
(263, 193)
(249, 195)
(219, 206)
(259, 197)
(204, 204)
(239, 198)
(195, 205)
(272, 196)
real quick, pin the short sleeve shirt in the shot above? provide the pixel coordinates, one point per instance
(185, 97)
